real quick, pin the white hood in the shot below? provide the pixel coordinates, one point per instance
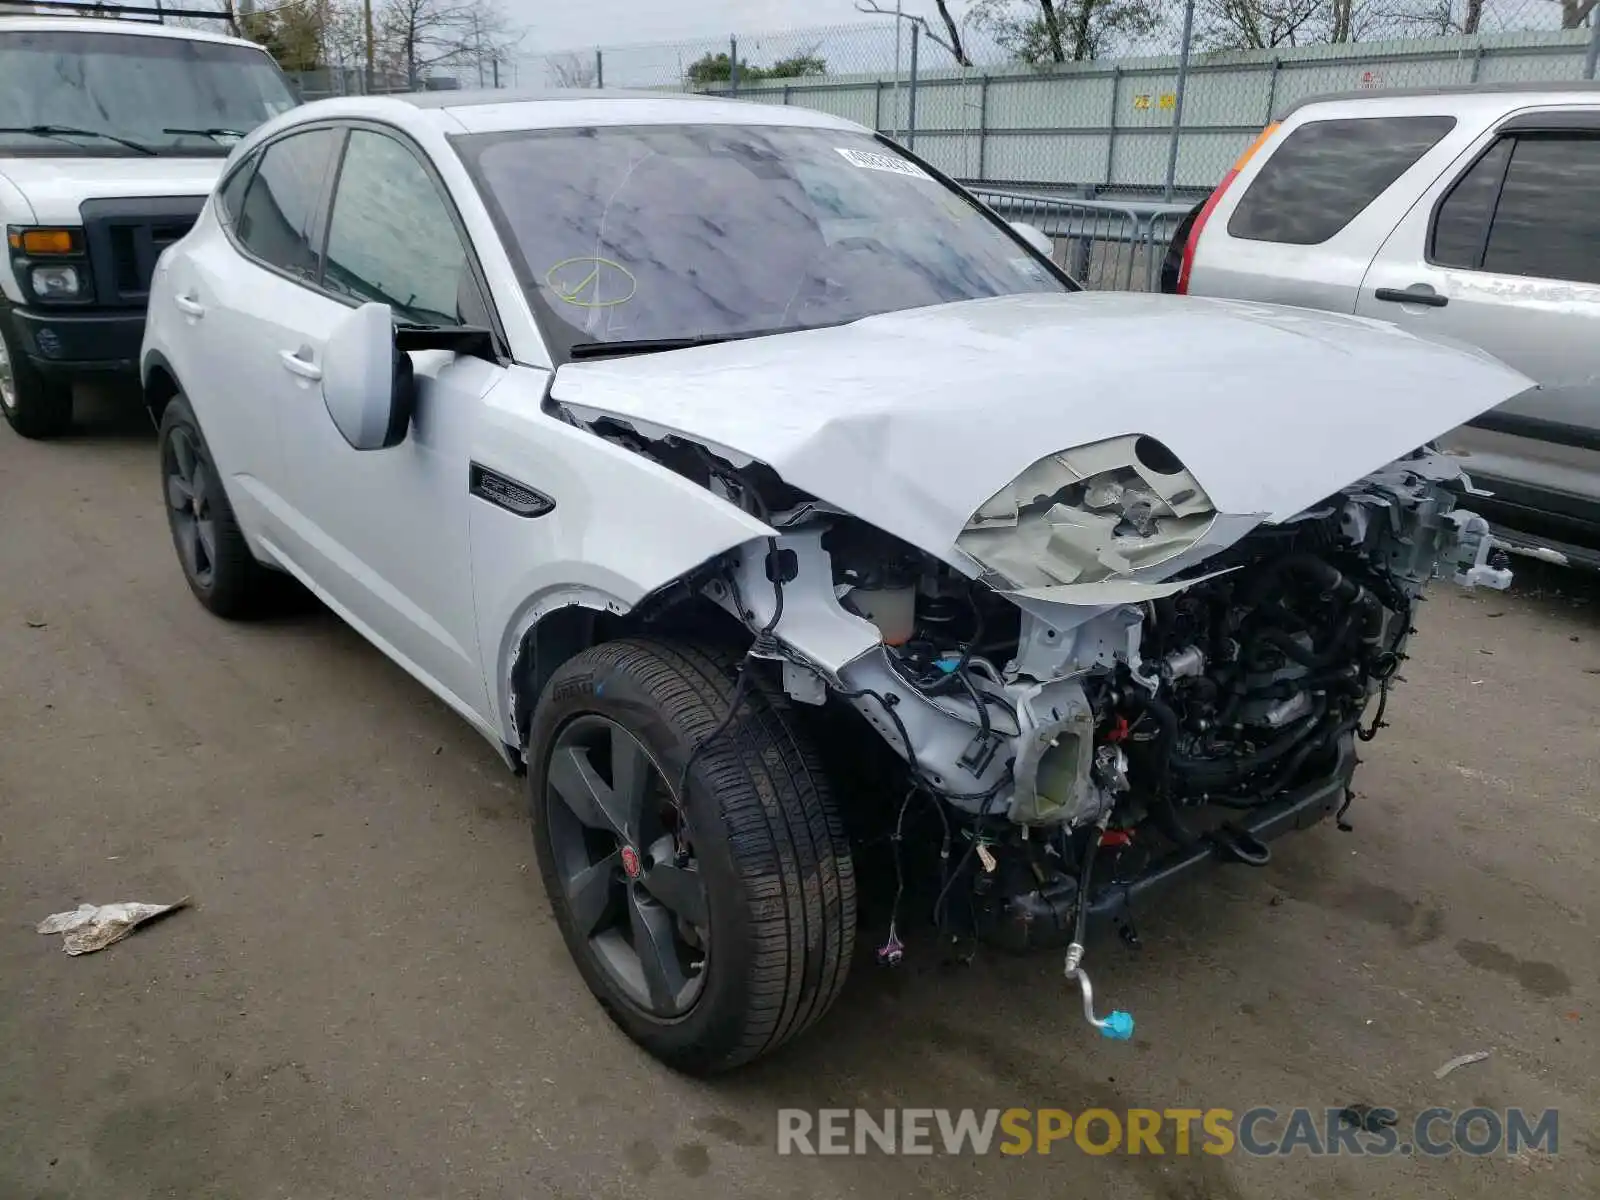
(912, 420)
(55, 187)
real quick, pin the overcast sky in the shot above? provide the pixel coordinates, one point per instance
(618, 22)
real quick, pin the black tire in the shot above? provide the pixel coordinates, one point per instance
(34, 404)
(778, 883)
(220, 569)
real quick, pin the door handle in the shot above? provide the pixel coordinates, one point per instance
(189, 305)
(1417, 293)
(296, 365)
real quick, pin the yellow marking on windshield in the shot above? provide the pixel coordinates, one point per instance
(577, 281)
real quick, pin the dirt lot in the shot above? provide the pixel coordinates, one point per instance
(369, 997)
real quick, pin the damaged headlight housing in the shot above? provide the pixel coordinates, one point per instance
(1082, 516)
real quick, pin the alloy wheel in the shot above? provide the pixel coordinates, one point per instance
(626, 866)
(190, 481)
(8, 379)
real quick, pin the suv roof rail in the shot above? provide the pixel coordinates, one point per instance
(156, 13)
(1457, 89)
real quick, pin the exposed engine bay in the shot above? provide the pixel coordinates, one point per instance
(1106, 680)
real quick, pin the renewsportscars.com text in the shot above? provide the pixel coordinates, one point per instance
(1260, 1132)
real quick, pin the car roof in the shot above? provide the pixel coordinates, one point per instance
(1457, 97)
(504, 111)
(119, 25)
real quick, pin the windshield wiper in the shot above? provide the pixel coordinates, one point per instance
(218, 132)
(656, 345)
(64, 131)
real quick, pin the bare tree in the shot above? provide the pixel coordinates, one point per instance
(954, 30)
(571, 71)
(1047, 31)
(417, 37)
(1261, 24)
(1343, 21)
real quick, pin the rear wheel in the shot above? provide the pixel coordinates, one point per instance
(34, 404)
(712, 931)
(217, 563)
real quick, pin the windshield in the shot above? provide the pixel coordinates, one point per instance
(708, 231)
(131, 87)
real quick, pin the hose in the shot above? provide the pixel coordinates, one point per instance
(1201, 772)
(1080, 925)
(1326, 578)
(1115, 1025)
(1163, 810)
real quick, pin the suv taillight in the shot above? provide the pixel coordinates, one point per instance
(1199, 221)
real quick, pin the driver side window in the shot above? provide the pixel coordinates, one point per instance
(392, 238)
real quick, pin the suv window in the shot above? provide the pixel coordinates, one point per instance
(1525, 208)
(1326, 172)
(392, 238)
(1462, 225)
(1547, 224)
(278, 220)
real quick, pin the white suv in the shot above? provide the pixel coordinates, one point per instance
(758, 492)
(112, 132)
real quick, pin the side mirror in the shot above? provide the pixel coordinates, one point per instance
(366, 380)
(1034, 236)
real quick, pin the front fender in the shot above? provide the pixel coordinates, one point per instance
(622, 526)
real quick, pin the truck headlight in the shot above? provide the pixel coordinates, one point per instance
(55, 283)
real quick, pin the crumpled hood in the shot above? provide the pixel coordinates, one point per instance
(55, 187)
(912, 420)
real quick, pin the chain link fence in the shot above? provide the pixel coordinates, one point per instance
(1151, 98)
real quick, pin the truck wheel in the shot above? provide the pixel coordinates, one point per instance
(217, 563)
(714, 933)
(35, 405)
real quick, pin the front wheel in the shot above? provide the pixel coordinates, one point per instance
(714, 929)
(34, 405)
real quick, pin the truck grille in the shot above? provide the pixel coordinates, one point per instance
(124, 239)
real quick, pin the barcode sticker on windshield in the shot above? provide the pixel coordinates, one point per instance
(874, 161)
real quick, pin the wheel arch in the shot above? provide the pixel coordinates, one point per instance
(159, 382)
(560, 628)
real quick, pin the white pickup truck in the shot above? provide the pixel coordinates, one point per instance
(112, 132)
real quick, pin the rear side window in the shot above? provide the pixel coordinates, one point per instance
(231, 196)
(1326, 172)
(278, 221)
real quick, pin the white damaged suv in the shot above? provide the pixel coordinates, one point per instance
(773, 505)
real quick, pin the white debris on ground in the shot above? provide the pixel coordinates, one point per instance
(1466, 1060)
(91, 927)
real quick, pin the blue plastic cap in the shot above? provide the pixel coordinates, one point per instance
(948, 663)
(1119, 1025)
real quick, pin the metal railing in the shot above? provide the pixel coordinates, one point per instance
(1103, 244)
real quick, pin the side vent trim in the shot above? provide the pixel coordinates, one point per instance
(504, 492)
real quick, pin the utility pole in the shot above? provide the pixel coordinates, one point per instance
(366, 16)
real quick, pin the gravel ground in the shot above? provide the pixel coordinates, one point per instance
(369, 997)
